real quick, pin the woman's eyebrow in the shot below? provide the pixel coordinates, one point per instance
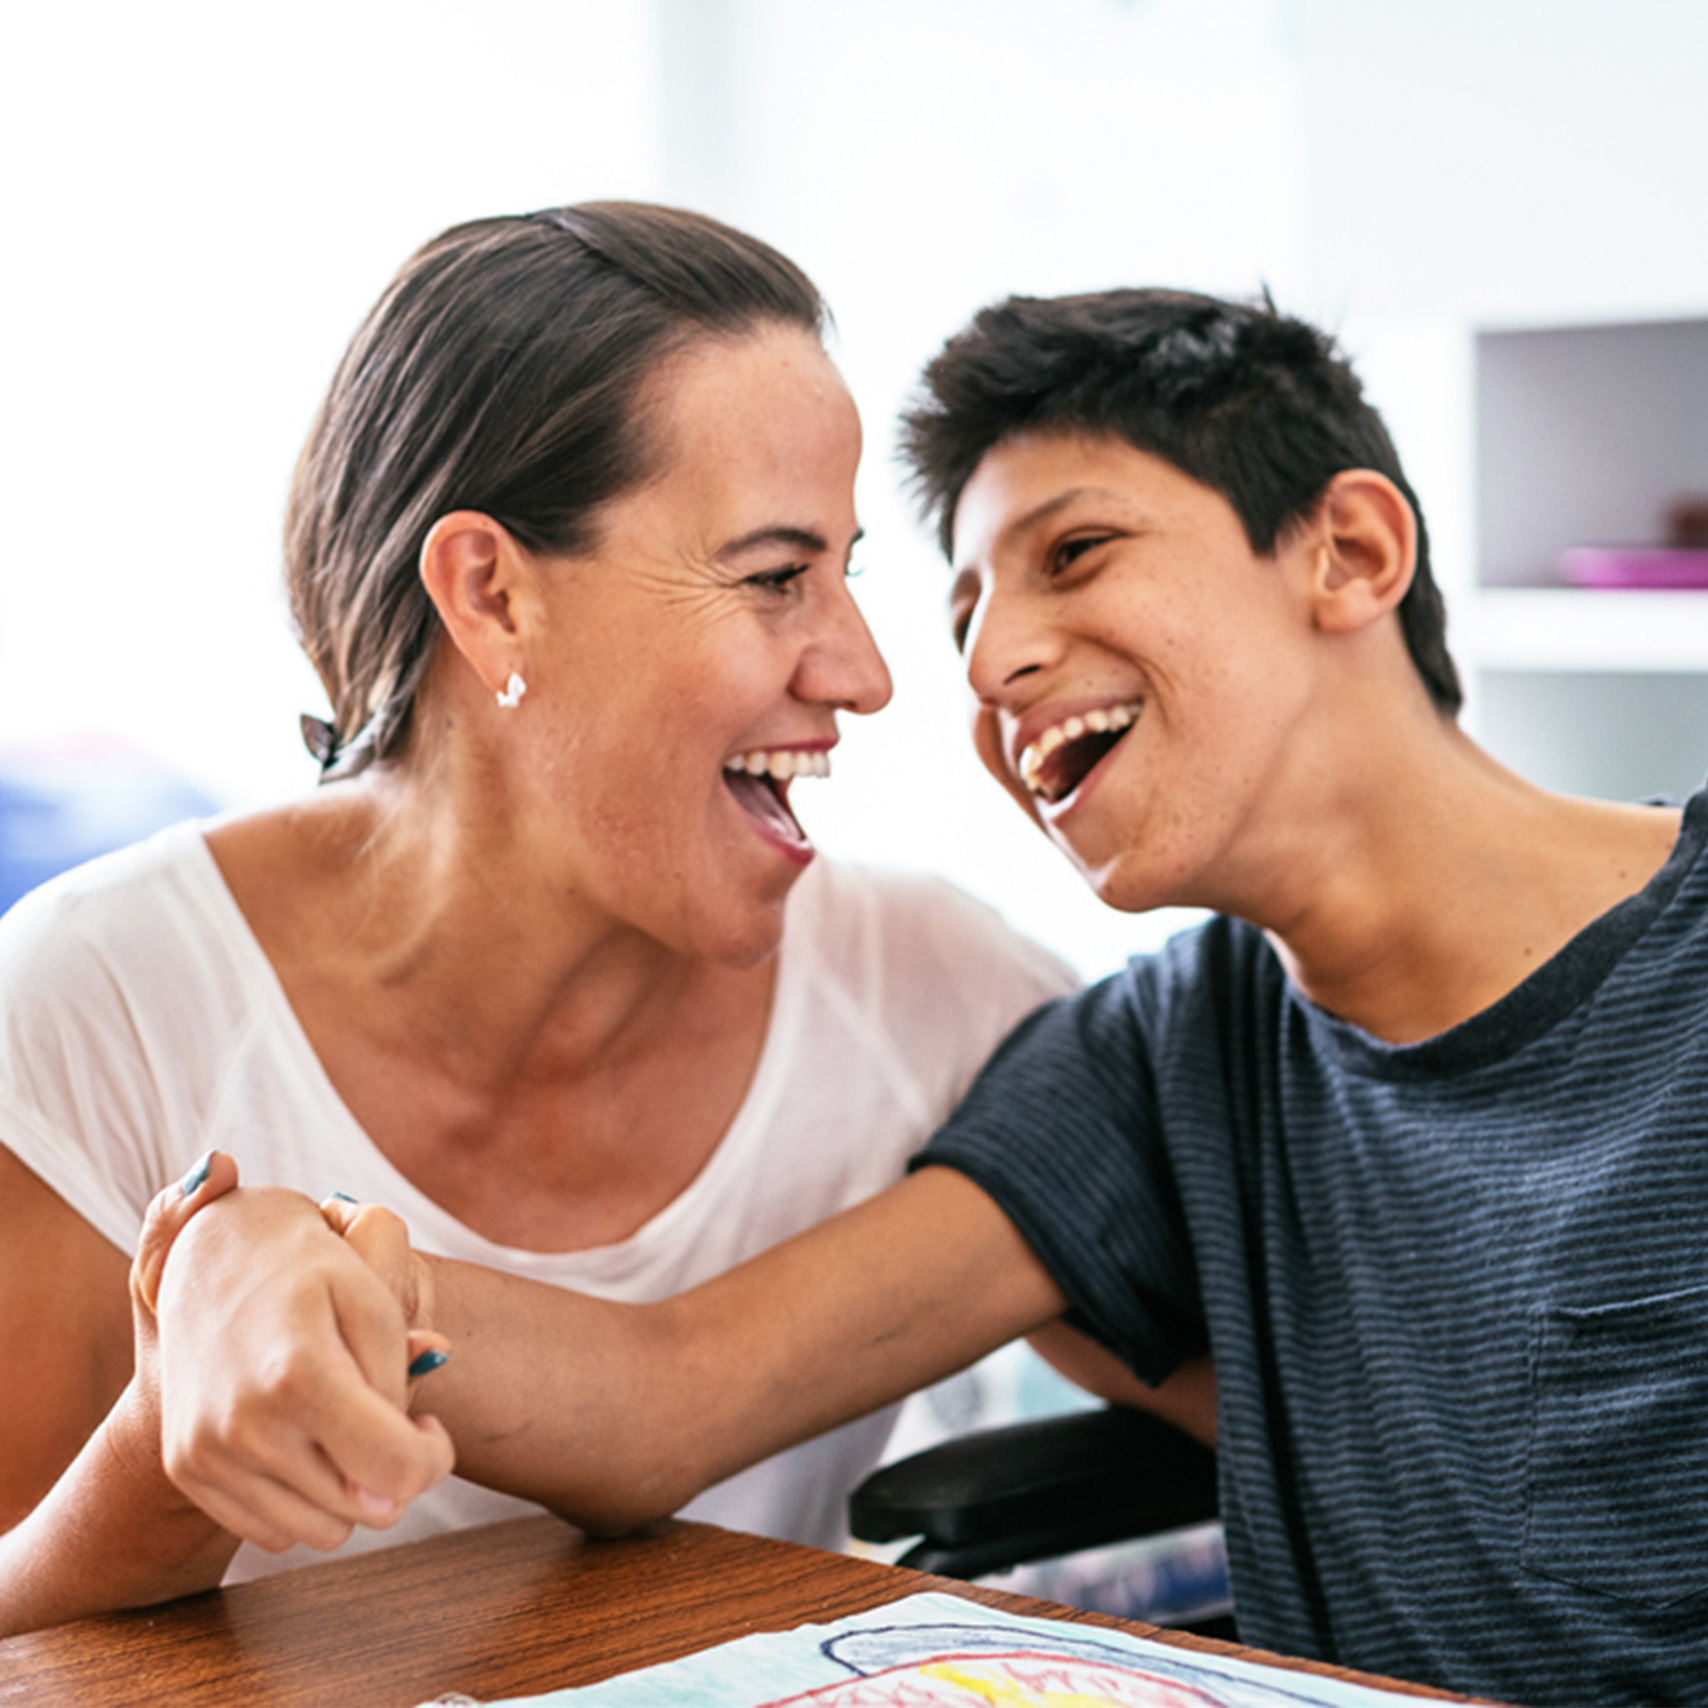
(796, 539)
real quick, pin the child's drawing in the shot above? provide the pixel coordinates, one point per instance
(992, 1666)
(942, 1651)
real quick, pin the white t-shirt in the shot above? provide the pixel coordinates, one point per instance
(141, 1024)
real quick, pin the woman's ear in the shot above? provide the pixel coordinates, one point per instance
(478, 579)
(1364, 537)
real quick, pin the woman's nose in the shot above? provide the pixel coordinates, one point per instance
(843, 667)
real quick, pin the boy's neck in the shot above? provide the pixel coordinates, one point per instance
(1454, 883)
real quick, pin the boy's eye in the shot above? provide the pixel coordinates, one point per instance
(1068, 551)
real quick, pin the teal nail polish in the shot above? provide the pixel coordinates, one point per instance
(345, 1198)
(196, 1175)
(427, 1363)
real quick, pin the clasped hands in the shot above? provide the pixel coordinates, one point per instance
(287, 1341)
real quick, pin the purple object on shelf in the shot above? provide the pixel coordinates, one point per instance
(1635, 566)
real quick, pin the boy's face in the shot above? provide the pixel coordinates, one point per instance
(1142, 675)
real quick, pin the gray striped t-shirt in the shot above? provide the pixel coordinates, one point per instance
(1457, 1291)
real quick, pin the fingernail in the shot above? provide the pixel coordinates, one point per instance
(196, 1175)
(345, 1198)
(424, 1364)
(377, 1507)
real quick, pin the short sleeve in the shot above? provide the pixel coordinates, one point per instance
(97, 991)
(935, 978)
(1062, 1130)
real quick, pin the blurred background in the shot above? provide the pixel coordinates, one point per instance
(1498, 204)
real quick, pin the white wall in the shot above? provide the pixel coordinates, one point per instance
(203, 199)
(1497, 164)
(1506, 160)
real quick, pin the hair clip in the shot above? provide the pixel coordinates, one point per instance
(319, 737)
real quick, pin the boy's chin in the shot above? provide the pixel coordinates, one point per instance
(1118, 880)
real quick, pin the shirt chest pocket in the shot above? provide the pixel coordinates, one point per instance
(1616, 1473)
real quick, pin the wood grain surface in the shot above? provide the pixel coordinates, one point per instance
(505, 1610)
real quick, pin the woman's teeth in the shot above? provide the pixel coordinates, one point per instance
(759, 782)
(781, 763)
(1103, 726)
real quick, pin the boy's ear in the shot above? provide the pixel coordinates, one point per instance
(479, 581)
(1364, 545)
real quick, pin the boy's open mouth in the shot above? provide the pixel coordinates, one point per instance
(1055, 764)
(760, 783)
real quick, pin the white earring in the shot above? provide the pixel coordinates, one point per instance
(512, 691)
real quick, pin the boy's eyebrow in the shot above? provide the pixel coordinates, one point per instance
(1048, 508)
(1042, 512)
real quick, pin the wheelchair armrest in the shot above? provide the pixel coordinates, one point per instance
(997, 1497)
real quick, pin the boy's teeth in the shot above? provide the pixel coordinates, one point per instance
(1104, 720)
(780, 763)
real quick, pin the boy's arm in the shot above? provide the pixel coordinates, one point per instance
(1187, 1399)
(609, 1413)
(615, 1414)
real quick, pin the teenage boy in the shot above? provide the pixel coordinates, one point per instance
(1409, 1135)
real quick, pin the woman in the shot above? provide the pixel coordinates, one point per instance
(568, 546)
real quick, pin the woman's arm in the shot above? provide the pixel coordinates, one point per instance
(609, 1413)
(112, 1529)
(93, 1522)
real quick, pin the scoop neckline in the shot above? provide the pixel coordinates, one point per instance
(657, 1230)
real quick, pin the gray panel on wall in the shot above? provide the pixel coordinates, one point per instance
(1618, 735)
(1585, 435)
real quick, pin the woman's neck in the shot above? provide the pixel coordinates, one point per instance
(484, 1032)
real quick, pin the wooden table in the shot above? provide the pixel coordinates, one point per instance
(506, 1610)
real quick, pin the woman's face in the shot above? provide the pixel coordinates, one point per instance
(696, 659)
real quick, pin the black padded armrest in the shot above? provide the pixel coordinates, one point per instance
(1029, 1491)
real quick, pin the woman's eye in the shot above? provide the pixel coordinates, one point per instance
(776, 580)
(960, 625)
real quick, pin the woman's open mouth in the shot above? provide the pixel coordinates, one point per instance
(760, 781)
(1055, 763)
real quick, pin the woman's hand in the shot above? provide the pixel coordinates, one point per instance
(381, 1239)
(133, 1426)
(167, 1216)
(284, 1357)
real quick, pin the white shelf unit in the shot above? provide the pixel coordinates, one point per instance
(1585, 435)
